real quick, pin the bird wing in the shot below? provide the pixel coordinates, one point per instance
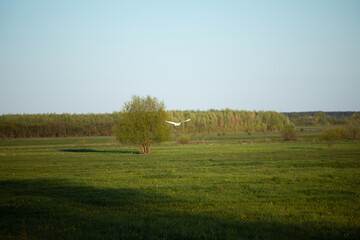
(187, 120)
(171, 122)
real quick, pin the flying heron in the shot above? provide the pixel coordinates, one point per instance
(178, 123)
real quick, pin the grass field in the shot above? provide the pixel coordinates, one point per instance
(233, 186)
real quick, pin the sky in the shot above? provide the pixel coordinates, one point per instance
(93, 56)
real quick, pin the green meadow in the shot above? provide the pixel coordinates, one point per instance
(221, 186)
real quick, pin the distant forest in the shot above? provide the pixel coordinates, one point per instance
(337, 115)
(323, 118)
(79, 125)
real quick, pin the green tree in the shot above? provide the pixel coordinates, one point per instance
(329, 136)
(355, 118)
(288, 133)
(142, 123)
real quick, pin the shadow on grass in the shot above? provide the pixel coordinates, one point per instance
(98, 151)
(59, 209)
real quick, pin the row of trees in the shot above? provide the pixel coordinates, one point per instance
(229, 121)
(56, 125)
(76, 125)
(324, 119)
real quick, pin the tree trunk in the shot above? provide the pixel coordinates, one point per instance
(144, 149)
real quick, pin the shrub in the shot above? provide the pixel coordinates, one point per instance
(354, 132)
(343, 132)
(183, 140)
(142, 123)
(288, 133)
(329, 136)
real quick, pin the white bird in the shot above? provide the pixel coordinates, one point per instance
(178, 123)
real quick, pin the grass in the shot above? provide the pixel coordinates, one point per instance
(232, 186)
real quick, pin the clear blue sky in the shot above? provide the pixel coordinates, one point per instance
(92, 56)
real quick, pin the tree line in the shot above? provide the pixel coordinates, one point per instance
(324, 118)
(56, 125)
(229, 121)
(79, 125)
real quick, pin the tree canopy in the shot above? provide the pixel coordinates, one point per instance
(142, 123)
